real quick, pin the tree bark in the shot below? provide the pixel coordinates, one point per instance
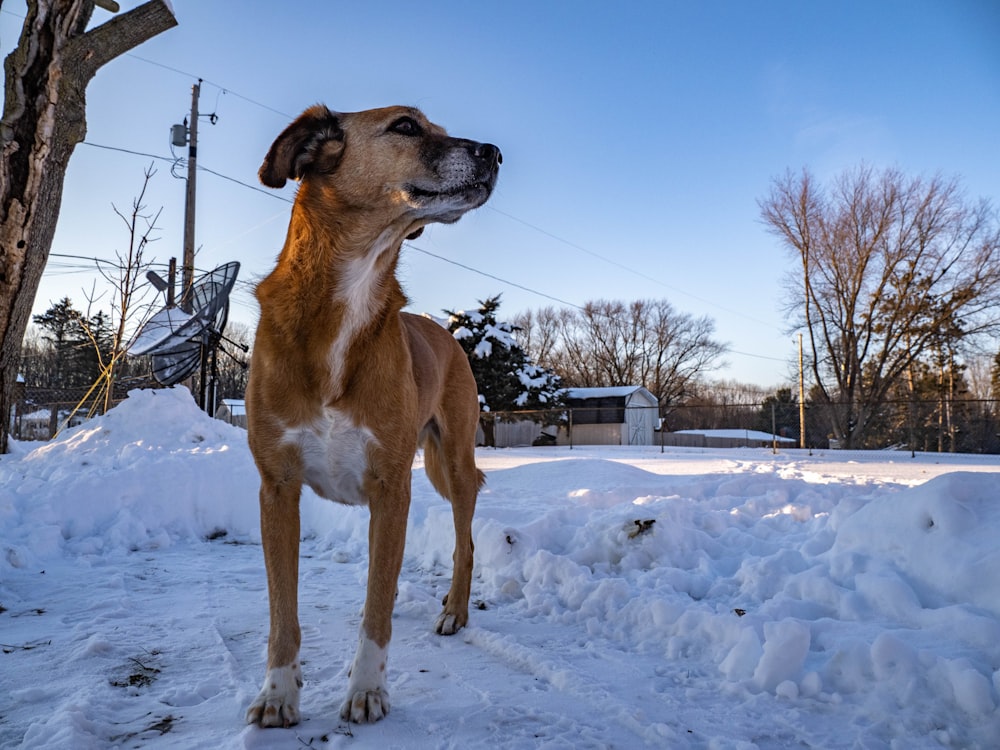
(44, 117)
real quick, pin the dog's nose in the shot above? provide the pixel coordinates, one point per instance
(488, 152)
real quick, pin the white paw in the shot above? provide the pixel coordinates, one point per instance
(277, 704)
(367, 699)
(449, 623)
(365, 707)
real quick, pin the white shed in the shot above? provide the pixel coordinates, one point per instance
(621, 415)
(232, 410)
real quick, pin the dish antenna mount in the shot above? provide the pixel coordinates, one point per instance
(178, 341)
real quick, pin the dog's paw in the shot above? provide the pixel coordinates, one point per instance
(277, 704)
(449, 623)
(365, 706)
(367, 698)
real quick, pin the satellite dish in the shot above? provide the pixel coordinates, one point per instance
(210, 292)
(158, 330)
(176, 340)
(170, 368)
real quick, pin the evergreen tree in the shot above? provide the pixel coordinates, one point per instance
(506, 377)
(780, 411)
(62, 331)
(98, 347)
(80, 346)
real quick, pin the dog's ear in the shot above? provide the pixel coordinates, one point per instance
(314, 142)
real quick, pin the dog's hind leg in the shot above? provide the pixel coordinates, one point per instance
(452, 470)
(277, 704)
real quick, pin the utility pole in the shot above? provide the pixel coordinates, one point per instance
(187, 268)
(802, 400)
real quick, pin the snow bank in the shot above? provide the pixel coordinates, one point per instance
(153, 471)
(940, 537)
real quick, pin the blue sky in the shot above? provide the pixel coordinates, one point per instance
(637, 137)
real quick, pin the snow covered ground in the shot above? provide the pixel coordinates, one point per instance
(839, 600)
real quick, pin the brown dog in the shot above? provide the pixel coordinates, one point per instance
(344, 386)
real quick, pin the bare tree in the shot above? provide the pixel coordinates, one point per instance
(537, 332)
(126, 279)
(233, 364)
(978, 376)
(719, 404)
(609, 343)
(44, 117)
(892, 268)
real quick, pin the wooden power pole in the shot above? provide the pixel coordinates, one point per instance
(187, 268)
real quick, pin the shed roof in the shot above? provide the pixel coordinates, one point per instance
(619, 391)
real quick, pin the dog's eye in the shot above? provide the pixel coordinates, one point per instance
(406, 126)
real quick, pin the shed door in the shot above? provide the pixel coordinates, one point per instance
(639, 424)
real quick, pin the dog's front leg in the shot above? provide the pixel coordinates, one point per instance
(277, 704)
(367, 698)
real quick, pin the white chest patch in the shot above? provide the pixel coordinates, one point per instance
(358, 291)
(334, 456)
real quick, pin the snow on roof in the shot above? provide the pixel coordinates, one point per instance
(620, 391)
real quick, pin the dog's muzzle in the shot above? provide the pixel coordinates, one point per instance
(465, 174)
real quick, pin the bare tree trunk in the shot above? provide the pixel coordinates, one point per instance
(44, 118)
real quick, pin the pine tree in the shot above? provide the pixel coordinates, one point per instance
(61, 323)
(507, 379)
(81, 346)
(780, 411)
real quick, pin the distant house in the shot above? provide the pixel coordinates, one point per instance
(622, 415)
(234, 411)
(34, 425)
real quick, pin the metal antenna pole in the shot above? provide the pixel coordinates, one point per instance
(187, 273)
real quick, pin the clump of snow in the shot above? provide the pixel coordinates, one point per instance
(622, 597)
(941, 537)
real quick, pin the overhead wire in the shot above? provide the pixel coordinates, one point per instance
(426, 252)
(576, 246)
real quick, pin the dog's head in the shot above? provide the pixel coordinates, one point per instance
(392, 159)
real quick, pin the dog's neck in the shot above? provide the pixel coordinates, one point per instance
(334, 289)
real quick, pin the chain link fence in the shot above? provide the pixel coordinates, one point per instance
(964, 426)
(41, 413)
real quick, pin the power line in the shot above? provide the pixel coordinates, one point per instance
(624, 267)
(270, 193)
(200, 168)
(511, 217)
(548, 296)
(129, 151)
(491, 276)
(223, 89)
(463, 266)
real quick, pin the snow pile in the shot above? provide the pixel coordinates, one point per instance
(942, 537)
(152, 471)
(623, 597)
